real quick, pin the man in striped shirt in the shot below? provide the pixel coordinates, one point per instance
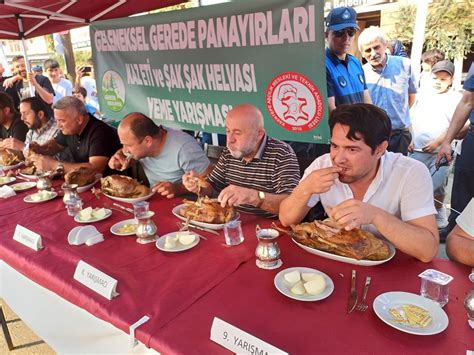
(255, 172)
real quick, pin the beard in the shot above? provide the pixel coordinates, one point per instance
(242, 153)
(36, 123)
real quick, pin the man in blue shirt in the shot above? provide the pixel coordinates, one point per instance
(391, 83)
(345, 76)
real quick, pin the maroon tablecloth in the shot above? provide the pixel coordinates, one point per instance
(182, 292)
(249, 300)
(150, 282)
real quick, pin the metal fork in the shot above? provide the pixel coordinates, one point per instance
(362, 306)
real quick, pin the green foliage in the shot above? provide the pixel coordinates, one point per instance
(449, 26)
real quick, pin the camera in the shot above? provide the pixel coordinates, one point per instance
(86, 69)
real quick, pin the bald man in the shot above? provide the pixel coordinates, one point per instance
(254, 172)
(164, 153)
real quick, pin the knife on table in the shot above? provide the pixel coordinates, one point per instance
(353, 294)
(129, 210)
(203, 229)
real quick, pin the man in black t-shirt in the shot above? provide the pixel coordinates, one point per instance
(11, 125)
(20, 88)
(91, 142)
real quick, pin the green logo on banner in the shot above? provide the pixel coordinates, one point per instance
(113, 90)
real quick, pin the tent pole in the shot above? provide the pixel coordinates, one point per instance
(25, 55)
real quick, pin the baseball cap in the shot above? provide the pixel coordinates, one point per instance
(340, 18)
(443, 65)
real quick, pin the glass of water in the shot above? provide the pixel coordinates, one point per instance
(233, 233)
(74, 206)
(140, 208)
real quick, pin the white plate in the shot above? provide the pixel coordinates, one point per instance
(214, 226)
(385, 301)
(78, 219)
(130, 200)
(284, 287)
(346, 259)
(9, 167)
(114, 229)
(29, 200)
(6, 180)
(28, 176)
(160, 243)
(22, 186)
(87, 187)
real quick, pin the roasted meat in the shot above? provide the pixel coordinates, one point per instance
(123, 186)
(329, 236)
(29, 170)
(207, 210)
(10, 157)
(81, 176)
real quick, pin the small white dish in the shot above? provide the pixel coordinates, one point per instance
(130, 200)
(160, 243)
(30, 199)
(22, 186)
(78, 218)
(214, 226)
(385, 301)
(6, 180)
(115, 229)
(285, 288)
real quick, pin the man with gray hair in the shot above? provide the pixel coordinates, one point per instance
(391, 83)
(255, 172)
(90, 142)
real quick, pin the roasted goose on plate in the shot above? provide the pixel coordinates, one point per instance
(331, 237)
(123, 186)
(207, 210)
(10, 157)
(81, 176)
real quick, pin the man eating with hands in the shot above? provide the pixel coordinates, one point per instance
(254, 172)
(165, 154)
(361, 184)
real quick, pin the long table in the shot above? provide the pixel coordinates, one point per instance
(182, 292)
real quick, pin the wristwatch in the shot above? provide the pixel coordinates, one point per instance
(60, 167)
(261, 197)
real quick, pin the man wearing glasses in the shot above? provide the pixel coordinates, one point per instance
(345, 76)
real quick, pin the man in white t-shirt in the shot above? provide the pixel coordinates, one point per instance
(62, 87)
(360, 184)
(460, 242)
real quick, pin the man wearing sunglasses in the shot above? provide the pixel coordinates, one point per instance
(345, 76)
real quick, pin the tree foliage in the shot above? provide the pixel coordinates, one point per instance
(449, 26)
